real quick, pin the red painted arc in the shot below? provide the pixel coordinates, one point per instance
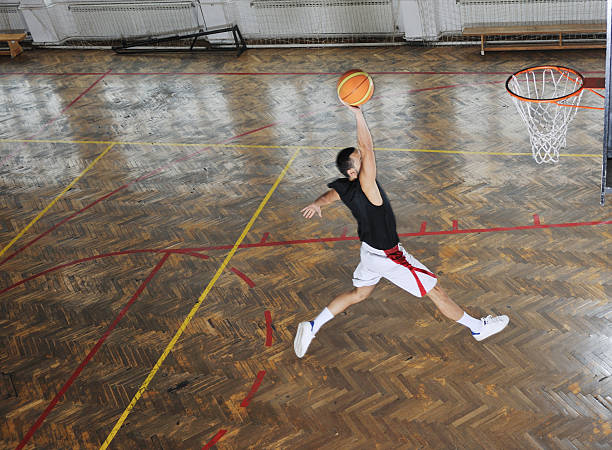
(192, 251)
(246, 279)
(254, 389)
(214, 440)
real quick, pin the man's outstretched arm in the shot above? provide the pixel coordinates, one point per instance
(367, 174)
(315, 207)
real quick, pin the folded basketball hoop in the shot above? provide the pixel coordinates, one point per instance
(547, 98)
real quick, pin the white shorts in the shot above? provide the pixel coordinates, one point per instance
(396, 265)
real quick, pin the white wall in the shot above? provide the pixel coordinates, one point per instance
(51, 21)
(409, 19)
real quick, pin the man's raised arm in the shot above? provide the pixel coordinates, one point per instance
(367, 173)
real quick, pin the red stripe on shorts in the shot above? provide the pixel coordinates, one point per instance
(397, 256)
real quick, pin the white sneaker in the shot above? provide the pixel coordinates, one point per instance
(303, 338)
(490, 326)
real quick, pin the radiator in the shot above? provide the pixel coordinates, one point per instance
(295, 18)
(531, 12)
(11, 18)
(134, 19)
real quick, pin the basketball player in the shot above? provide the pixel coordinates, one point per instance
(382, 255)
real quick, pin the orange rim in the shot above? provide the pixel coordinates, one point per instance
(559, 69)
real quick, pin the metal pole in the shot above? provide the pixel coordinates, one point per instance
(607, 139)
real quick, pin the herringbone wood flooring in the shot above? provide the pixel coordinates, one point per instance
(153, 220)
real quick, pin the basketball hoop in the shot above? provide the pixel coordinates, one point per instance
(547, 98)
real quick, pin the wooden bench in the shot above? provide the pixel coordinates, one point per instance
(560, 30)
(13, 40)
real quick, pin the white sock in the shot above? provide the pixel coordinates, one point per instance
(323, 317)
(473, 324)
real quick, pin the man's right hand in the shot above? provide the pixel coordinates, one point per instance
(311, 210)
(355, 109)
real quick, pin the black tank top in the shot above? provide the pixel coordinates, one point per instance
(375, 224)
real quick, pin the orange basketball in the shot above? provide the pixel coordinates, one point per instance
(355, 87)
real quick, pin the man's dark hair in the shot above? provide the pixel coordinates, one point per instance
(343, 160)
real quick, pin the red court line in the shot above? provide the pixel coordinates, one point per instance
(193, 251)
(420, 233)
(268, 328)
(400, 72)
(197, 255)
(105, 255)
(434, 88)
(91, 354)
(63, 221)
(256, 385)
(299, 73)
(49, 123)
(256, 130)
(215, 439)
(246, 279)
(81, 95)
(63, 74)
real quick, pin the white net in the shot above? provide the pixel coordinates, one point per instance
(543, 97)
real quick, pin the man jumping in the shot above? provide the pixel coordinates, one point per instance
(382, 255)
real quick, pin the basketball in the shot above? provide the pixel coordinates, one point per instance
(355, 87)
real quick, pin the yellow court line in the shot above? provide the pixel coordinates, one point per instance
(290, 147)
(159, 144)
(392, 149)
(195, 308)
(414, 150)
(58, 141)
(466, 152)
(64, 141)
(66, 189)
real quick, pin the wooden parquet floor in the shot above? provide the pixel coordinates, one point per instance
(152, 302)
